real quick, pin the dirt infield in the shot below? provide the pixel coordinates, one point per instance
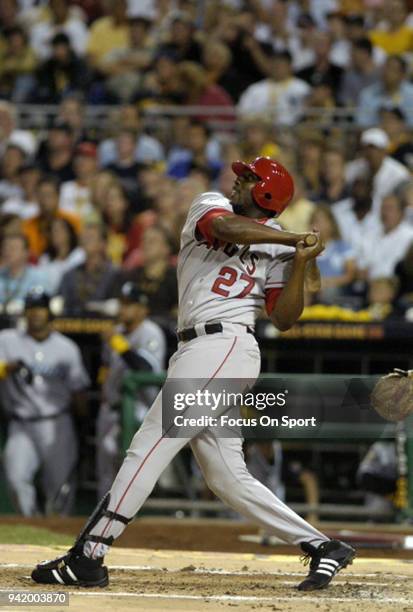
(198, 581)
(196, 565)
(209, 534)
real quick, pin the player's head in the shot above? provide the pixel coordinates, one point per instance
(263, 188)
(133, 305)
(37, 310)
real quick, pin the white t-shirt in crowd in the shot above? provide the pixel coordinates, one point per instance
(354, 230)
(281, 102)
(75, 199)
(382, 252)
(390, 175)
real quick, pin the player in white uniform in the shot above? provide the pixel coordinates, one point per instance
(233, 260)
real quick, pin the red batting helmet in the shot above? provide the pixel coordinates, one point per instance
(276, 187)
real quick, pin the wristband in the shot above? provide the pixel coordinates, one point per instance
(3, 370)
(119, 343)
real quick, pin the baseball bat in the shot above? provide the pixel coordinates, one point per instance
(310, 240)
(291, 238)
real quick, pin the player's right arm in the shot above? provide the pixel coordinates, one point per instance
(241, 230)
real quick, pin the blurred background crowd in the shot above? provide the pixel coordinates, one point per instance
(115, 114)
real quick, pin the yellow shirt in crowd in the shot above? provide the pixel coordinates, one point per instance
(397, 42)
(106, 37)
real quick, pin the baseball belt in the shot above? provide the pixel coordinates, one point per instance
(210, 328)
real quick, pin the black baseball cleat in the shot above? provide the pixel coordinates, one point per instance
(74, 569)
(325, 561)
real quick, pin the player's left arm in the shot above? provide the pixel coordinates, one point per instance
(312, 276)
(290, 303)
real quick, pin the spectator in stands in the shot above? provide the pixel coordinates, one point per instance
(322, 70)
(392, 89)
(393, 122)
(336, 262)
(217, 59)
(55, 155)
(156, 277)
(257, 140)
(404, 274)
(147, 148)
(361, 74)
(195, 155)
(333, 176)
(382, 294)
(385, 248)
(108, 35)
(309, 156)
(63, 253)
(396, 36)
(355, 217)
(196, 91)
(126, 168)
(24, 204)
(250, 57)
(101, 182)
(132, 62)
(124, 231)
(340, 44)
(11, 163)
(75, 196)
(182, 40)
(92, 281)
(297, 216)
(280, 97)
(17, 276)
(9, 224)
(38, 229)
(9, 132)
(405, 192)
(161, 84)
(17, 64)
(61, 19)
(9, 13)
(72, 112)
(61, 74)
(386, 173)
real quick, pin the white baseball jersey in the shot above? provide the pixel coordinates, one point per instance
(225, 282)
(58, 371)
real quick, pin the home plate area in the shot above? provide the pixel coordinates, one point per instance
(191, 581)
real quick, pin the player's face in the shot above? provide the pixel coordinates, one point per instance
(131, 314)
(37, 318)
(241, 198)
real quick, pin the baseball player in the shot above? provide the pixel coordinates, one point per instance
(135, 344)
(41, 372)
(233, 260)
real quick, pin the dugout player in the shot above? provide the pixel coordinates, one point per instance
(233, 260)
(41, 375)
(136, 343)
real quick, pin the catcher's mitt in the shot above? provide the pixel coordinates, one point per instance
(392, 396)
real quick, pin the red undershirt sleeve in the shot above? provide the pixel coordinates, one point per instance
(271, 297)
(203, 226)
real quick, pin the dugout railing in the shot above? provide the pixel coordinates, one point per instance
(357, 424)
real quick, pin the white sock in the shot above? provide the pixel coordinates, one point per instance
(95, 550)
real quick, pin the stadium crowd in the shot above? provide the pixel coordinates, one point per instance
(322, 85)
